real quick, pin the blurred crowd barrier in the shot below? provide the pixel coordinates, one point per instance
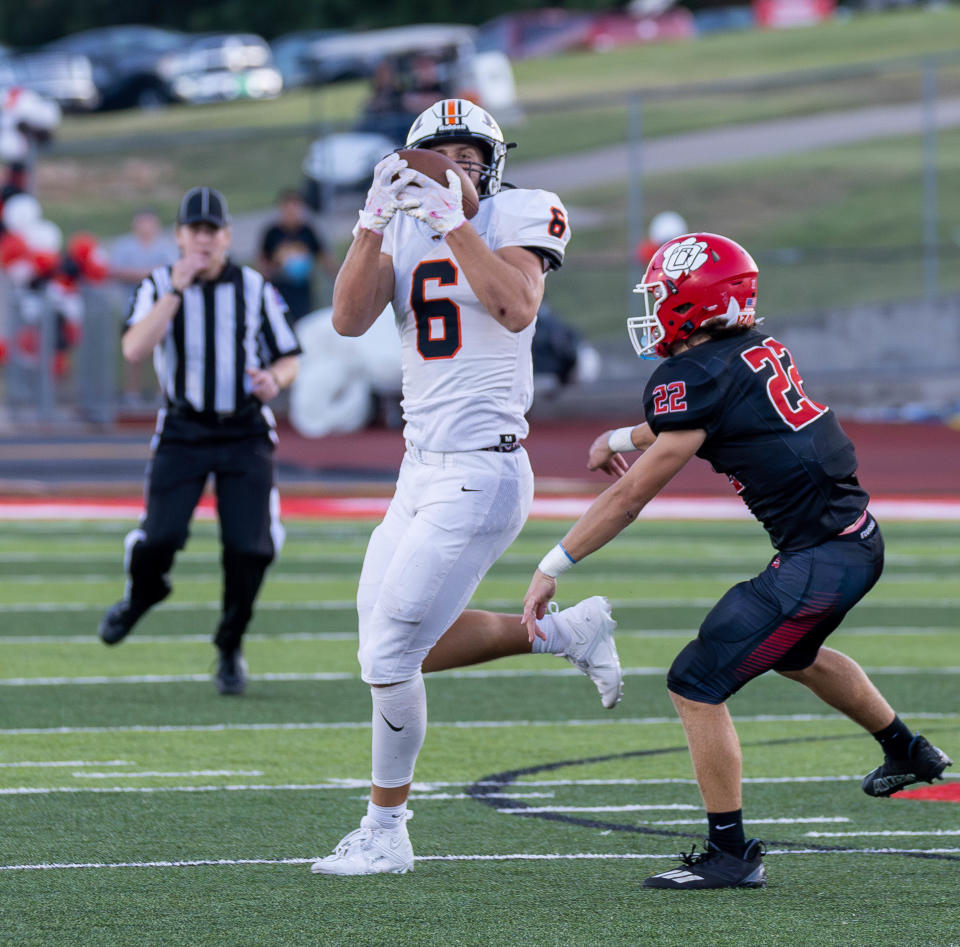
(844, 184)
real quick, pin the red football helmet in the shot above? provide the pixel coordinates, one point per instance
(691, 280)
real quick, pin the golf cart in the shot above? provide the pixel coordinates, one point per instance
(414, 67)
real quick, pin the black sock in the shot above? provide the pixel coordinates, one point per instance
(726, 831)
(895, 739)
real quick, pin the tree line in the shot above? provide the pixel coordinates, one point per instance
(34, 22)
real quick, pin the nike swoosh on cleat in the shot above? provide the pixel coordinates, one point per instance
(390, 725)
(470, 490)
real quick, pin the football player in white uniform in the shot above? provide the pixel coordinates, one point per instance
(465, 295)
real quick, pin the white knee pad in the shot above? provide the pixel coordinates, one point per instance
(399, 727)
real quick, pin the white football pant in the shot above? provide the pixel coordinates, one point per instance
(452, 516)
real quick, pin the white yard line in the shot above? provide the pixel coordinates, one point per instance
(532, 810)
(516, 856)
(645, 634)
(818, 819)
(499, 604)
(884, 832)
(187, 578)
(292, 676)
(339, 785)
(39, 764)
(416, 797)
(164, 774)
(454, 724)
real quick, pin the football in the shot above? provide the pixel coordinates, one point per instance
(435, 165)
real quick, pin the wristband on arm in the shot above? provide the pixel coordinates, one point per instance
(556, 562)
(620, 440)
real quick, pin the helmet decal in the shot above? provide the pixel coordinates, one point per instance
(460, 120)
(453, 114)
(684, 257)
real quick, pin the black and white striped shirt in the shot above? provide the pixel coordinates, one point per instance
(222, 328)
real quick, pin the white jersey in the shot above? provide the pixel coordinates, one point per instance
(467, 379)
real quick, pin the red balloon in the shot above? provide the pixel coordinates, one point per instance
(84, 249)
(45, 263)
(28, 340)
(12, 248)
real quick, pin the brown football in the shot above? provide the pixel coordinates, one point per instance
(435, 165)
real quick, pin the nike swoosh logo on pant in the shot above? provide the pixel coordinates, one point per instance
(390, 725)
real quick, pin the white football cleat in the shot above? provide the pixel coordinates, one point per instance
(589, 626)
(370, 850)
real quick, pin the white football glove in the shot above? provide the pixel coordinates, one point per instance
(390, 177)
(439, 207)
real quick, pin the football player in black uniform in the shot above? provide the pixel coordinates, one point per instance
(732, 395)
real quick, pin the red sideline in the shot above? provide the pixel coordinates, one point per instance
(549, 507)
(941, 792)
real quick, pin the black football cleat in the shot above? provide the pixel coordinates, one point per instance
(924, 763)
(715, 868)
(231, 676)
(120, 618)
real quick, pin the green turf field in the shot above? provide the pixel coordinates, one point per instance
(138, 807)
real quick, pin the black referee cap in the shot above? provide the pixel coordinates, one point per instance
(203, 205)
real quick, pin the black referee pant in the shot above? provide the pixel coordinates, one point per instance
(250, 531)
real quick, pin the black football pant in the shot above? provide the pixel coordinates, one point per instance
(778, 620)
(250, 532)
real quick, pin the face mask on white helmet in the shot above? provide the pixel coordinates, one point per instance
(456, 120)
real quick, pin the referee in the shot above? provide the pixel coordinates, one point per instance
(221, 348)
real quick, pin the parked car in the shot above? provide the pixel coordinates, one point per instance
(611, 29)
(222, 66)
(149, 67)
(294, 54)
(126, 62)
(551, 30)
(67, 78)
(415, 66)
(530, 33)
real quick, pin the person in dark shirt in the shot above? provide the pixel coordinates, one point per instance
(732, 395)
(290, 249)
(222, 349)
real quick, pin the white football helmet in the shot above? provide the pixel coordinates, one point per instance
(456, 120)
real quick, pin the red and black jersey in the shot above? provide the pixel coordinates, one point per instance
(785, 454)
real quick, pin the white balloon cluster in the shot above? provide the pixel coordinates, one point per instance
(23, 215)
(25, 116)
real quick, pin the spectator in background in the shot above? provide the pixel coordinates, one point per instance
(561, 355)
(387, 96)
(133, 257)
(663, 227)
(290, 249)
(426, 84)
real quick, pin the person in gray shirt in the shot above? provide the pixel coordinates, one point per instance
(132, 258)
